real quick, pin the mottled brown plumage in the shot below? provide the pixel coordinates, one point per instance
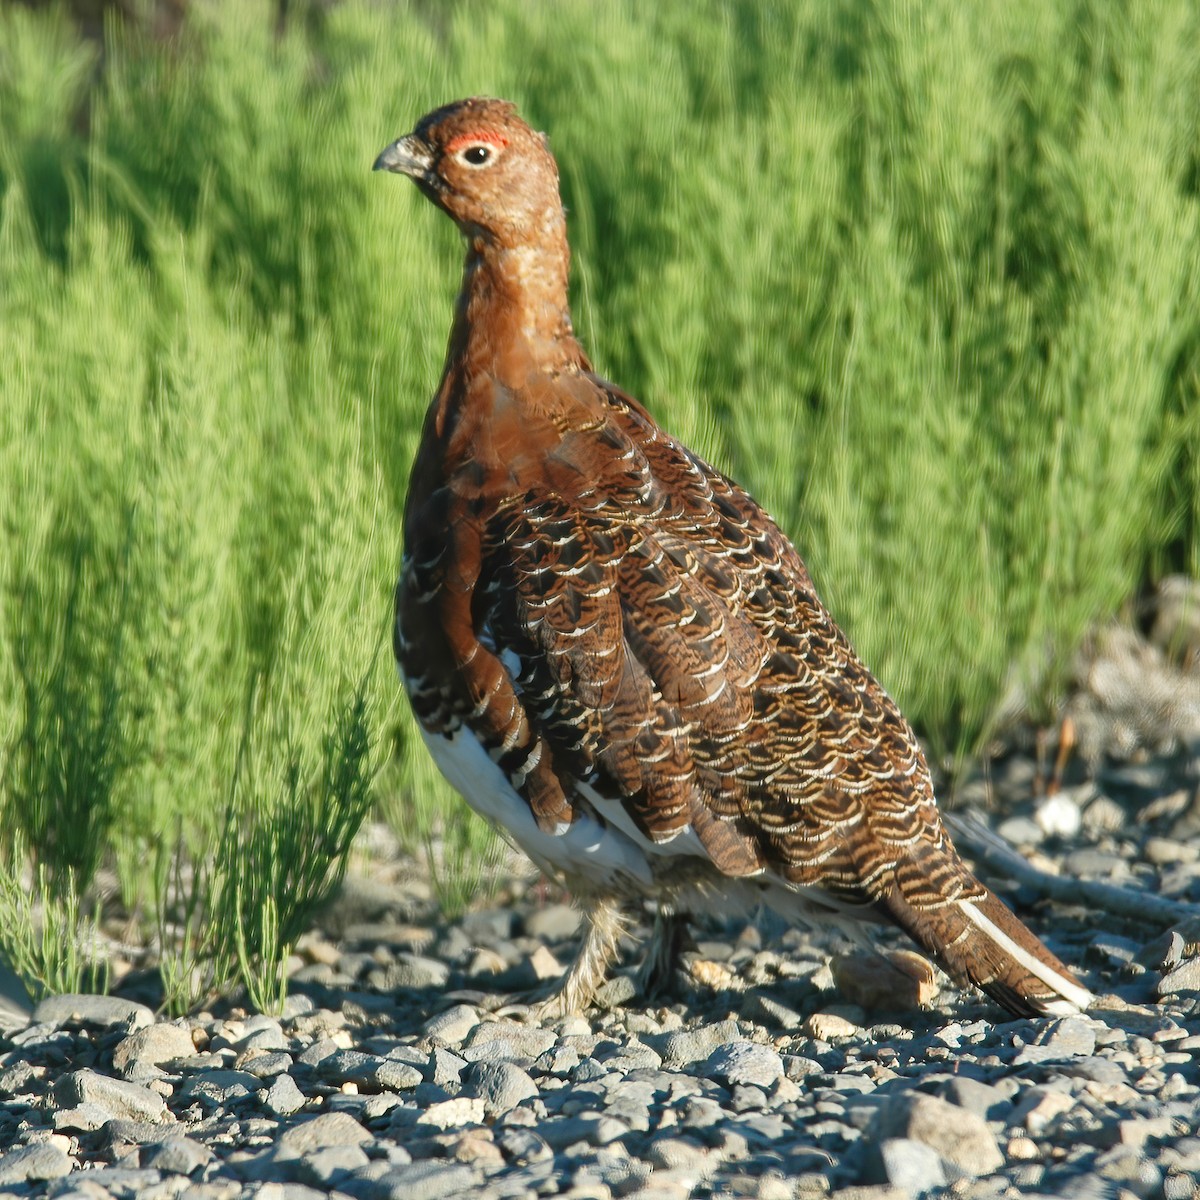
(614, 652)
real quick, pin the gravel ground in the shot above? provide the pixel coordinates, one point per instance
(406, 1064)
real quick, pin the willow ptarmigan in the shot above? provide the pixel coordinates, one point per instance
(616, 656)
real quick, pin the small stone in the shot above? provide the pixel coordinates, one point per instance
(898, 981)
(220, 1087)
(178, 1156)
(1021, 831)
(477, 1146)
(1139, 1130)
(328, 1167)
(283, 1097)
(367, 1072)
(766, 1010)
(876, 1192)
(671, 1153)
(595, 1130)
(447, 1114)
(158, 1043)
(1069, 1037)
(500, 1086)
(487, 961)
(92, 1010)
(1167, 851)
(34, 1164)
(828, 1025)
(445, 1067)
(614, 992)
(425, 1181)
(523, 1146)
(1104, 815)
(1021, 1149)
(744, 1063)
(959, 1136)
(417, 972)
(1058, 816)
(497, 1041)
(320, 1050)
(982, 1099)
(264, 1066)
(329, 1129)
(693, 1045)
(118, 1097)
(82, 1118)
(904, 1163)
(454, 1025)
(554, 923)
(1183, 978)
(1039, 1107)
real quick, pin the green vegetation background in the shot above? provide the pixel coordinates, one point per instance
(924, 276)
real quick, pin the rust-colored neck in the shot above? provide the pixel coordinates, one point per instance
(512, 322)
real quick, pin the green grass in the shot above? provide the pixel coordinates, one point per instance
(925, 277)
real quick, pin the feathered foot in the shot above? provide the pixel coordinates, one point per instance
(605, 924)
(670, 938)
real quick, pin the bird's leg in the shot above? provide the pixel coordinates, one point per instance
(670, 937)
(605, 923)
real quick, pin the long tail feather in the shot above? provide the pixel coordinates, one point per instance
(977, 940)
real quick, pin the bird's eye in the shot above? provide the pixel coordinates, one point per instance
(476, 156)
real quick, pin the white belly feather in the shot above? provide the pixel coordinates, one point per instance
(587, 849)
(613, 856)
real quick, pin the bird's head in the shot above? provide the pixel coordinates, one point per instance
(479, 162)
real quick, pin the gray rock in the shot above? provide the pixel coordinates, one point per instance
(116, 1096)
(614, 992)
(34, 1164)
(265, 1066)
(980, 1098)
(125, 1183)
(154, 1044)
(367, 1072)
(93, 1010)
(329, 1167)
(329, 1129)
(283, 1097)
(445, 1067)
(553, 923)
(500, 1086)
(594, 1130)
(1183, 978)
(1070, 1037)
(694, 1045)
(766, 1009)
(499, 1041)
(521, 1146)
(16, 1005)
(744, 1063)
(635, 1055)
(903, 1163)
(454, 1025)
(959, 1136)
(558, 1060)
(416, 971)
(673, 1153)
(423, 1181)
(82, 1118)
(314, 1055)
(177, 1156)
(218, 1088)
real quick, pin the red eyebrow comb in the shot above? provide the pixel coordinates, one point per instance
(490, 136)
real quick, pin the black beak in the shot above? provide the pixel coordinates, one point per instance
(407, 156)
